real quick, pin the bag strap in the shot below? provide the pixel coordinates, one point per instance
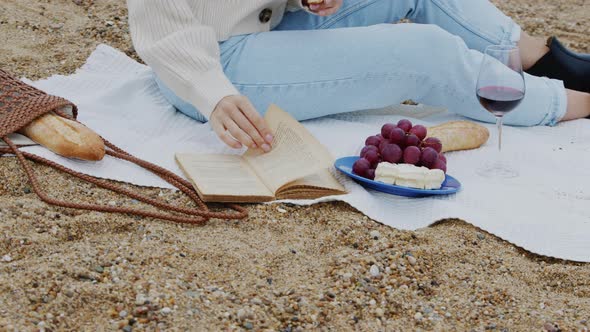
(197, 216)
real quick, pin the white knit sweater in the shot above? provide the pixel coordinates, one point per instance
(179, 40)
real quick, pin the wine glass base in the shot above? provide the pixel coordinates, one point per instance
(498, 171)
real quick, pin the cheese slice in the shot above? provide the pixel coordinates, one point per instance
(411, 176)
(386, 173)
(434, 179)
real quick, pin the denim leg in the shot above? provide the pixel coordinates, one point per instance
(355, 70)
(316, 73)
(478, 22)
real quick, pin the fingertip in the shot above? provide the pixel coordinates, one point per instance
(268, 138)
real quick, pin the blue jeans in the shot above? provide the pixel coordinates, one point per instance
(314, 66)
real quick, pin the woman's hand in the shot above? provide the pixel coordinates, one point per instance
(326, 8)
(237, 123)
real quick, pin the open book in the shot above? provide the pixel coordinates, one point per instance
(298, 167)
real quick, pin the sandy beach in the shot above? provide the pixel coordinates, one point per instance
(286, 268)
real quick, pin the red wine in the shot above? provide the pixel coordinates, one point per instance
(499, 100)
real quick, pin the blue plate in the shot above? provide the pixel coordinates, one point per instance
(450, 186)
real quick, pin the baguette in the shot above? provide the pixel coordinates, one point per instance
(460, 135)
(65, 137)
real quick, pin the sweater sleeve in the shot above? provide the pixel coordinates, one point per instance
(181, 51)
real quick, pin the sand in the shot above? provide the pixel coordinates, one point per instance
(325, 267)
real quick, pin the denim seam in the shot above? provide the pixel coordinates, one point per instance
(552, 107)
(387, 76)
(555, 105)
(544, 120)
(465, 24)
(552, 112)
(271, 85)
(369, 75)
(507, 38)
(228, 53)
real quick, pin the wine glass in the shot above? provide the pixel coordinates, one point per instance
(500, 89)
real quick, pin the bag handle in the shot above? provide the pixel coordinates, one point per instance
(197, 216)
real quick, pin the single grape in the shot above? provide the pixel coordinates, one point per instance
(412, 140)
(405, 125)
(370, 174)
(397, 136)
(372, 140)
(372, 157)
(442, 157)
(386, 129)
(433, 142)
(412, 155)
(379, 136)
(383, 144)
(392, 153)
(361, 166)
(439, 164)
(429, 157)
(420, 131)
(367, 149)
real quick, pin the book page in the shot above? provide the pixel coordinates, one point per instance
(323, 179)
(221, 176)
(295, 152)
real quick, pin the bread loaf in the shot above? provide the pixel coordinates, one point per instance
(65, 137)
(460, 135)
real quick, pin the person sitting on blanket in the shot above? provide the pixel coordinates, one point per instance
(225, 61)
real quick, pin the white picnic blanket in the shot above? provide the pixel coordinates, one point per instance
(546, 210)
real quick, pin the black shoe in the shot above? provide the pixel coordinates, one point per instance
(562, 64)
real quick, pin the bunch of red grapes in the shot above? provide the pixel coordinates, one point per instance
(400, 144)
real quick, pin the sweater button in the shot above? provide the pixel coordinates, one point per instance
(265, 15)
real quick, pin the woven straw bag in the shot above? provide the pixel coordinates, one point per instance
(21, 103)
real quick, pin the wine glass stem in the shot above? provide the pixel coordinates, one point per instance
(499, 121)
